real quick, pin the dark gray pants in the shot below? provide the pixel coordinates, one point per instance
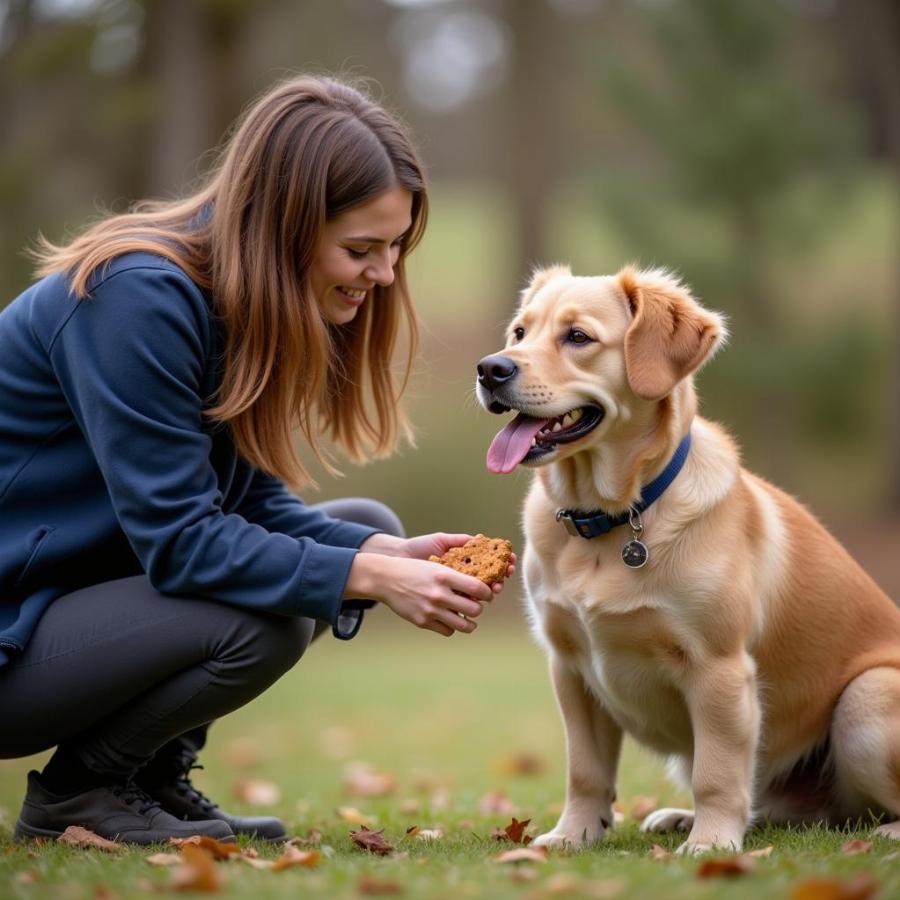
(116, 671)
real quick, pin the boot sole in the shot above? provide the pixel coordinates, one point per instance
(25, 832)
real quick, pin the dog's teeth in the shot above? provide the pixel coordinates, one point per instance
(575, 415)
(567, 419)
(557, 426)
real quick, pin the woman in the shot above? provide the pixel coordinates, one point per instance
(155, 572)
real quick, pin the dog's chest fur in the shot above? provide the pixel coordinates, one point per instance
(616, 634)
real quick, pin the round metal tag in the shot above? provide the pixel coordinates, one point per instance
(635, 554)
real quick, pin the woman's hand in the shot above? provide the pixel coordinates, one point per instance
(427, 594)
(423, 546)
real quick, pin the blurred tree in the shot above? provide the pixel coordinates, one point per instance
(871, 36)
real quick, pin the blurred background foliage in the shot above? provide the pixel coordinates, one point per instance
(753, 147)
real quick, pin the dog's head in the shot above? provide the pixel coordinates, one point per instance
(583, 356)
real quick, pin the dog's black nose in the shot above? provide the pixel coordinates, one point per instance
(496, 370)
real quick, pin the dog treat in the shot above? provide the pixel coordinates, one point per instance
(485, 558)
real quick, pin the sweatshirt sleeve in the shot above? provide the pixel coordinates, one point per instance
(130, 359)
(270, 504)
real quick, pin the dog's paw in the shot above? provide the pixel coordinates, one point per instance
(890, 830)
(557, 840)
(664, 820)
(697, 846)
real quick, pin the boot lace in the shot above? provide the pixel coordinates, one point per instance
(135, 797)
(184, 788)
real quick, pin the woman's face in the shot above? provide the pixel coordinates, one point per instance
(358, 250)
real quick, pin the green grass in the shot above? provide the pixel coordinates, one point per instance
(444, 717)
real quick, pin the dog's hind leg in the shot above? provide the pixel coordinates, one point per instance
(865, 736)
(662, 821)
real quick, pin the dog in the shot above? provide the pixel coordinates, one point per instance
(680, 598)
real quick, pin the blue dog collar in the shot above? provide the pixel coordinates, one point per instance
(594, 524)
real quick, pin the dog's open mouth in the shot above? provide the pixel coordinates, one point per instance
(526, 438)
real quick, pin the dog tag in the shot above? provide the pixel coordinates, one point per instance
(635, 554)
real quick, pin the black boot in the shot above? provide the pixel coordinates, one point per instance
(116, 812)
(166, 779)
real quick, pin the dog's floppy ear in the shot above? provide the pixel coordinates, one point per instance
(670, 335)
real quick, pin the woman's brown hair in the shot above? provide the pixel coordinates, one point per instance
(306, 151)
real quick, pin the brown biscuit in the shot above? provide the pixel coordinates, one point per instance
(485, 558)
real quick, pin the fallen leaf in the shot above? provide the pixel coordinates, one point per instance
(412, 831)
(198, 872)
(521, 764)
(257, 792)
(862, 887)
(294, 857)
(429, 834)
(523, 873)
(164, 859)
(255, 862)
(102, 892)
(641, 807)
(371, 841)
(659, 853)
(523, 854)
(243, 753)
(762, 852)
(854, 848)
(496, 803)
(353, 816)
(725, 867)
(27, 877)
(374, 887)
(313, 839)
(362, 780)
(76, 836)
(216, 849)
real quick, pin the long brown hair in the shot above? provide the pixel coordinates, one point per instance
(306, 151)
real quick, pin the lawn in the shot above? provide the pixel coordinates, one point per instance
(461, 727)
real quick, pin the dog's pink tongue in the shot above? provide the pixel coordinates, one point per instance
(509, 447)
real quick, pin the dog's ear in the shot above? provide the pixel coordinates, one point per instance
(670, 335)
(541, 277)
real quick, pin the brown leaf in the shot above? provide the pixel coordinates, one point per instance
(294, 857)
(725, 867)
(27, 877)
(371, 841)
(854, 848)
(523, 854)
(102, 892)
(76, 836)
(313, 839)
(515, 831)
(371, 886)
(197, 873)
(257, 792)
(363, 781)
(521, 764)
(352, 815)
(412, 831)
(496, 803)
(862, 887)
(660, 854)
(164, 859)
(762, 852)
(641, 807)
(216, 849)
(254, 861)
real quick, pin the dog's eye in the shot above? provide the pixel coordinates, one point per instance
(576, 336)
(519, 333)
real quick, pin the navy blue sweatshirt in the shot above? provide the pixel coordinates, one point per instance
(109, 469)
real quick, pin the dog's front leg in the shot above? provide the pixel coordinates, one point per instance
(593, 742)
(725, 716)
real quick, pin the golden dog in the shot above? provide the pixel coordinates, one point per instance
(722, 626)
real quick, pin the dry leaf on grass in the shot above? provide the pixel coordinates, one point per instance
(372, 841)
(496, 803)
(762, 852)
(294, 857)
(27, 877)
(352, 815)
(854, 848)
(361, 780)
(375, 887)
(257, 792)
(429, 834)
(216, 849)
(521, 764)
(255, 862)
(102, 892)
(198, 872)
(164, 859)
(313, 839)
(725, 867)
(862, 887)
(659, 853)
(641, 807)
(76, 836)
(523, 854)
(514, 832)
